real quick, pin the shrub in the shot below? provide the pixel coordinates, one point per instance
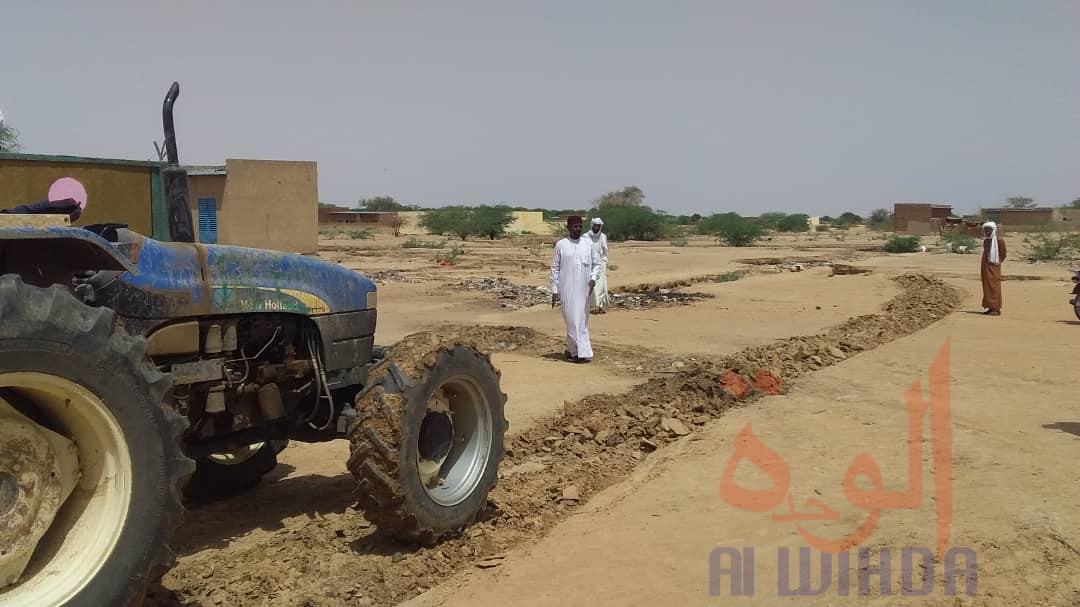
(903, 244)
(415, 243)
(1045, 246)
(733, 229)
(960, 240)
(729, 277)
(680, 242)
(361, 235)
(450, 256)
(396, 223)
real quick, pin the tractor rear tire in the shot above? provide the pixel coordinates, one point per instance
(425, 451)
(228, 475)
(69, 372)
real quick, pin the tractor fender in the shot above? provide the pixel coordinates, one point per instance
(24, 249)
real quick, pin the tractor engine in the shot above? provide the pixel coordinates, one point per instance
(242, 378)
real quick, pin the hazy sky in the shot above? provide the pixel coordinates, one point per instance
(707, 106)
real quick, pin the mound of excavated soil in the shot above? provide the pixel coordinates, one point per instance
(333, 559)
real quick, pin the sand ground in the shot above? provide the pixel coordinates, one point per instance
(646, 537)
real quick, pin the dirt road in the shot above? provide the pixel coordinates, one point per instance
(645, 462)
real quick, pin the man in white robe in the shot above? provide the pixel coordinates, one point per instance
(574, 270)
(600, 249)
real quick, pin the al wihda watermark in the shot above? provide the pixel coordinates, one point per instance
(731, 569)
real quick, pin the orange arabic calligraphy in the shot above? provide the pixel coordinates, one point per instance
(752, 449)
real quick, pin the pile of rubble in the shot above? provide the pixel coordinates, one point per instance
(384, 276)
(514, 296)
(785, 264)
(635, 300)
(509, 294)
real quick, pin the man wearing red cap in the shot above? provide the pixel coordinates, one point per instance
(574, 271)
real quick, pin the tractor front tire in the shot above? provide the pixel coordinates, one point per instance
(90, 459)
(425, 450)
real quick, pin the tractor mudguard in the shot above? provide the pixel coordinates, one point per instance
(69, 248)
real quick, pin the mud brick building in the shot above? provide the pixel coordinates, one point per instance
(920, 217)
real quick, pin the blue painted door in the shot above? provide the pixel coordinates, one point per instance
(208, 220)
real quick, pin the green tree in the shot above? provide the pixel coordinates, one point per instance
(491, 221)
(732, 228)
(622, 222)
(881, 219)
(630, 195)
(9, 139)
(1020, 202)
(555, 214)
(463, 222)
(845, 220)
(454, 220)
(383, 204)
(771, 220)
(1075, 204)
(798, 222)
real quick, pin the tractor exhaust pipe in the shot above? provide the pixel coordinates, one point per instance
(181, 227)
(167, 121)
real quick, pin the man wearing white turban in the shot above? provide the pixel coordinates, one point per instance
(990, 270)
(600, 251)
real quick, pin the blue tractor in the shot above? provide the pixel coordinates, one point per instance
(137, 374)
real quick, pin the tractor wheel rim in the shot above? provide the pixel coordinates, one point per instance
(84, 532)
(236, 456)
(457, 438)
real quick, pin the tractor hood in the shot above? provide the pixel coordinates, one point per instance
(218, 279)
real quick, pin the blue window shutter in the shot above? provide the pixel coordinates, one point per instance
(208, 220)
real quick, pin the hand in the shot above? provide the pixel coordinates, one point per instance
(592, 283)
(554, 298)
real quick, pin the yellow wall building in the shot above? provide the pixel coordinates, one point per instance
(382, 221)
(266, 204)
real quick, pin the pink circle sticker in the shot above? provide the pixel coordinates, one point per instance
(66, 187)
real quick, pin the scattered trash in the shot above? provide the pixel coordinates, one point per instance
(516, 296)
(512, 296)
(633, 300)
(385, 276)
